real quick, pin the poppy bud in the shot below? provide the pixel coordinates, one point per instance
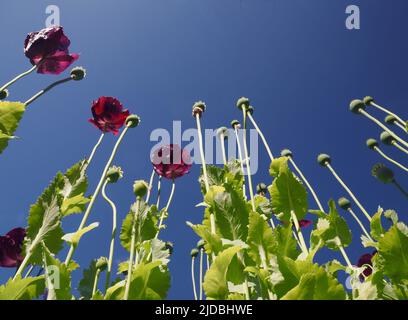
(242, 103)
(198, 108)
(201, 244)
(114, 174)
(101, 263)
(132, 121)
(382, 173)
(372, 143)
(344, 203)
(4, 94)
(261, 188)
(235, 124)
(323, 159)
(140, 188)
(194, 253)
(367, 100)
(356, 106)
(390, 119)
(286, 153)
(169, 246)
(386, 138)
(78, 73)
(250, 110)
(222, 131)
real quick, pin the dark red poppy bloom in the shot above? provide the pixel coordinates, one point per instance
(108, 114)
(171, 161)
(366, 259)
(11, 247)
(304, 223)
(48, 50)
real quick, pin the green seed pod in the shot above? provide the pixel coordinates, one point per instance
(250, 110)
(140, 188)
(323, 159)
(372, 143)
(201, 244)
(169, 246)
(382, 173)
(356, 106)
(132, 121)
(235, 124)
(78, 73)
(286, 153)
(4, 94)
(367, 100)
(390, 119)
(223, 131)
(261, 188)
(386, 138)
(344, 203)
(102, 263)
(242, 103)
(198, 108)
(194, 253)
(114, 174)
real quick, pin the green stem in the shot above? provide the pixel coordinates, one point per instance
(348, 191)
(385, 128)
(40, 93)
(401, 126)
(132, 250)
(251, 191)
(272, 223)
(241, 160)
(401, 189)
(395, 144)
(29, 271)
(91, 156)
(150, 186)
(224, 155)
(166, 208)
(97, 190)
(158, 192)
(201, 273)
(95, 284)
(8, 84)
(299, 233)
(345, 256)
(113, 234)
(264, 266)
(390, 159)
(388, 112)
(193, 278)
(261, 135)
(360, 224)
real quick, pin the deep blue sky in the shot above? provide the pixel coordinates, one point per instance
(294, 59)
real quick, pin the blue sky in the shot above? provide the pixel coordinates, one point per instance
(294, 59)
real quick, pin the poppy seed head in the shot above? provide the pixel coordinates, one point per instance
(357, 105)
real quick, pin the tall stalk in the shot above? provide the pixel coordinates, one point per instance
(265, 142)
(251, 191)
(22, 75)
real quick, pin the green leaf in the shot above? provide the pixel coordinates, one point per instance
(22, 289)
(213, 243)
(10, 116)
(74, 237)
(287, 192)
(393, 253)
(215, 281)
(284, 245)
(377, 229)
(260, 238)
(75, 204)
(146, 225)
(85, 287)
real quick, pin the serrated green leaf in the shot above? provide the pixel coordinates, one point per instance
(213, 243)
(75, 204)
(85, 287)
(377, 229)
(260, 238)
(215, 281)
(74, 237)
(22, 289)
(10, 116)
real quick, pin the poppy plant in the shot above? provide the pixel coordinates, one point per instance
(108, 114)
(10, 248)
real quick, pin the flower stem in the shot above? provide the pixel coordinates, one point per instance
(360, 224)
(272, 223)
(261, 135)
(8, 84)
(251, 191)
(193, 278)
(307, 184)
(401, 189)
(395, 144)
(264, 266)
(91, 156)
(29, 271)
(97, 190)
(166, 208)
(95, 284)
(158, 192)
(201, 273)
(241, 160)
(132, 250)
(224, 155)
(388, 112)
(345, 256)
(150, 186)
(113, 234)
(390, 159)
(40, 93)
(401, 126)
(385, 128)
(348, 191)
(299, 233)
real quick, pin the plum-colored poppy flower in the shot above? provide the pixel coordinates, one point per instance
(171, 161)
(48, 50)
(10, 248)
(108, 114)
(304, 223)
(366, 259)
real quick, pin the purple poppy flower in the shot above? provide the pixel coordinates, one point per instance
(10, 248)
(171, 161)
(48, 50)
(108, 114)
(305, 223)
(366, 259)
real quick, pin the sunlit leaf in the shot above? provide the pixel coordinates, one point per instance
(22, 289)
(10, 116)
